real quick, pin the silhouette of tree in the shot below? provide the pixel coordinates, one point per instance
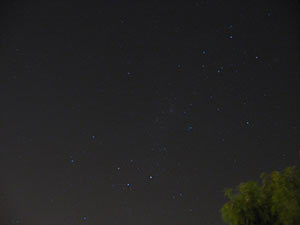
(275, 201)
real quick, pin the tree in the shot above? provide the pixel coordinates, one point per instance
(274, 201)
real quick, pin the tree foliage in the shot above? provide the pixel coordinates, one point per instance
(274, 201)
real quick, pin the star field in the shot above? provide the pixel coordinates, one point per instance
(142, 113)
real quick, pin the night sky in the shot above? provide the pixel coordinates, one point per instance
(142, 112)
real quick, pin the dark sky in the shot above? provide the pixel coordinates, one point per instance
(142, 112)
